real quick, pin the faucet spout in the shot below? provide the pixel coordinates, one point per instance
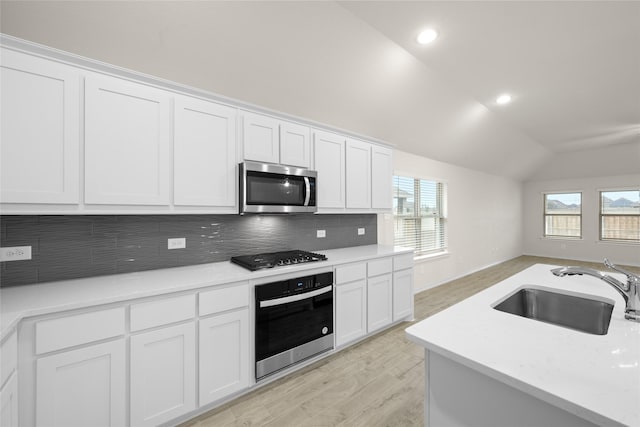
(630, 291)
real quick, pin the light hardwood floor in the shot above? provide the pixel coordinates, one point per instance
(377, 382)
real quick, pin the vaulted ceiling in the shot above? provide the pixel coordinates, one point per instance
(571, 67)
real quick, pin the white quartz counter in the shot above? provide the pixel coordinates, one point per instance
(19, 302)
(594, 377)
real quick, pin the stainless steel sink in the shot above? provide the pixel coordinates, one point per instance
(583, 314)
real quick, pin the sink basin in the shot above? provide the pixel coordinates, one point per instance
(580, 313)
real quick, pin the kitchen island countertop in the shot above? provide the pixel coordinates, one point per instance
(596, 377)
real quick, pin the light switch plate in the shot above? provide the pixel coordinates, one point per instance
(360, 231)
(320, 234)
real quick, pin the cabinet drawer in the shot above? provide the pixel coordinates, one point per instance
(56, 334)
(350, 272)
(402, 262)
(9, 358)
(162, 312)
(224, 299)
(379, 266)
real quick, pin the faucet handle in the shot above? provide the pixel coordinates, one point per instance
(630, 276)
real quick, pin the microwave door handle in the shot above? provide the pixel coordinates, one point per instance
(307, 193)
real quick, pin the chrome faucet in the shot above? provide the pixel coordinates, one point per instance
(629, 291)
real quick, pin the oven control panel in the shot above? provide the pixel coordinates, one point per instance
(293, 286)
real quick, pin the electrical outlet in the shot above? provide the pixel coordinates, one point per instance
(321, 234)
(177, 243)
(15, 253)
(360, 231)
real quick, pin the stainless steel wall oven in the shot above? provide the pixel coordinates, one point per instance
(294, 321)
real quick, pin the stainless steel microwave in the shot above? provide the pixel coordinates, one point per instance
(269, 188)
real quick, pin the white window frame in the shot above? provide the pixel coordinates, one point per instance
(440, 213)
(545, 215)
(601, 217)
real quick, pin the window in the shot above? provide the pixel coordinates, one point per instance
(563, 215)
(419, 214)
(620, 215)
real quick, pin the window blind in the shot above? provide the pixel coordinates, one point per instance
(419, 214)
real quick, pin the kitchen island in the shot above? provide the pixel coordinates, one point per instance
(488, 367)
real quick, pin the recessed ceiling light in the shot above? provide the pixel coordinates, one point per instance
(503, 99)
(427, 36)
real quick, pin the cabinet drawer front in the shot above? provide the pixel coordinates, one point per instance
(9, 358)
(402, 262)
(350, 272)
(223, 299)
(379, 266)
(56, 334)
(162, 312)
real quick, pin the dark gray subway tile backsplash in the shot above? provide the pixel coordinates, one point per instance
(74, 246)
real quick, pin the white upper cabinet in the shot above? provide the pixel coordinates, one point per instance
(358, 174)
(127, 142)
(267, 139)
(329, 162)
(381, 178)
(40, 130)
(147, 149)
(295, 145)
(204, 154)
(261, 138)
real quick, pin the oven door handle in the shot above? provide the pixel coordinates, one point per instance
(294, 298)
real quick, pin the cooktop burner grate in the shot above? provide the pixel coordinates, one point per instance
(275, 259)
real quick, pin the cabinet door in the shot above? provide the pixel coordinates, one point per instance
(204, 154)
(40, 125)
(379, 302)
(295, 145)
(163, 374)
(329, 162)
(351, 311)
(83, 387)
(358, 169)
(9, 403)
(261, 139)
(381, 178)
(402, 294)
(224, 352)
(127, 142)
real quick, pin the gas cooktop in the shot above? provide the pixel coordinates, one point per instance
(275, 259)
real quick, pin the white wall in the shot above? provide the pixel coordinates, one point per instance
(484, 219)
(588, 248)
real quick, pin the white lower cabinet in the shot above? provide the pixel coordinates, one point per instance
(379, 302)
(371, 296)
(402, 294)
(82, 387)
(403, 287)
(9, 402)
(351, 311)
(224, 355)
(163, 375)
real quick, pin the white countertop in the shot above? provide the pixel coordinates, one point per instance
(19, 302)
(592, 376)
